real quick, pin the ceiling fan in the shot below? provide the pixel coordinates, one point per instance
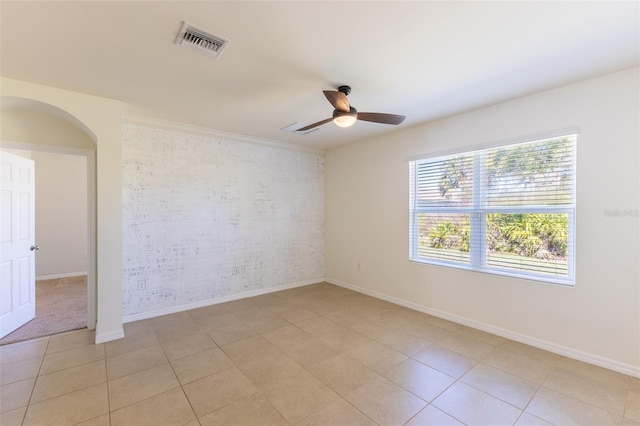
(344, 115)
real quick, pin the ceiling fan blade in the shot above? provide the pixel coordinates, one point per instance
(377, 117)
(311, 126)
(337, 99)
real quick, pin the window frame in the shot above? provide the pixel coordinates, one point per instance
(478, 212)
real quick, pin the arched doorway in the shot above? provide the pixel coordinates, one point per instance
(46, 131)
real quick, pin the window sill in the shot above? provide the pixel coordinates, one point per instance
(556, 281)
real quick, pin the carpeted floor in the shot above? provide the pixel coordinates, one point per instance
(61, 305)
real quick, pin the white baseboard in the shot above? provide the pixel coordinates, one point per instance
(628, 369)
(215, 301)
(107, 336)
(57, 276)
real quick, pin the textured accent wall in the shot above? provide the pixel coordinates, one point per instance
(206, 217)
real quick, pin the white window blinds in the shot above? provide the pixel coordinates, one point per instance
(508, 209)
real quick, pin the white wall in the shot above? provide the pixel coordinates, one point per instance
(367, 238)
(61, 214)
(19, 116)
(208, 217)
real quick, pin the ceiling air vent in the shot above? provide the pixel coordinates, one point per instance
(201, 41)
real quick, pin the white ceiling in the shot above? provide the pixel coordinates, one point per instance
(425, 60)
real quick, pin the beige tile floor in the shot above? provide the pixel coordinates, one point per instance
(315, 355)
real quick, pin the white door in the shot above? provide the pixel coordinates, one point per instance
(17, 242)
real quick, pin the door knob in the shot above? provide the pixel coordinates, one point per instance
(32, 248)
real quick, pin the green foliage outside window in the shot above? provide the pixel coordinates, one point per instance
(543, 236)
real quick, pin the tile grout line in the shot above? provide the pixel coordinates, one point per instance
(542, 386)
(539, 386)
(36, 380)
(176, 375)
(106, 372)
(234, 365)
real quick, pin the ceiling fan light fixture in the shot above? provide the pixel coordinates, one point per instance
(345, 119)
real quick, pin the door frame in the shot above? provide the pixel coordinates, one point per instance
(90, 155)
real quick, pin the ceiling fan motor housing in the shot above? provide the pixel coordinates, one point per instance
(338, 113)
(345, 89)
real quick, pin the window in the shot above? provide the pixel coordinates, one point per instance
(506, 210)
